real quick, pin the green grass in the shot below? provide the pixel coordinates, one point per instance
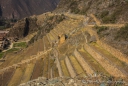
(1, 54)
(12, 50)
(21, 44)
(8, 51)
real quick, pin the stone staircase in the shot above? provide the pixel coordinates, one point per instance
(53, 64)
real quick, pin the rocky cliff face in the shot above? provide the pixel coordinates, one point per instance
(29, 25)
(23, 8)
(108, 11)
(24, 27)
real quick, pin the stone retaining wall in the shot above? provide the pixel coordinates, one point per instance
(24, 61)
(115, 52)
(111, 68)
(92, 32)
(83, 63)
(68, 81)
(58, 63)
(70, 68)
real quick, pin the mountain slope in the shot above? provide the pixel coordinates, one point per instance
(108, 11)
(23, 8)
(68, 49)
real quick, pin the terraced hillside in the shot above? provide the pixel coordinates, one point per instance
(69, 54)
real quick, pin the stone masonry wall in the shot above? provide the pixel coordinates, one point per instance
(32, 58)
(110, 68)
(84, 64)
(115, 52)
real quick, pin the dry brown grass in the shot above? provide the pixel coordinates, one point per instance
(64, 68)
(5, 78)
(77, 66)
(63, 49)
(92, 62)
(51, 37)
(55, 71)
(38, 69)
(47, 43)
(28, 72)
(45, 67)
(109, 56)
(54, 34)
(41, 45)
(15, 80)
(51, 63)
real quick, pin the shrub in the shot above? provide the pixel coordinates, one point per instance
(122, 33)
(75, 10)
(32, 40)
(111, 18)
(104, 13)
(100, 29)
(21, 44)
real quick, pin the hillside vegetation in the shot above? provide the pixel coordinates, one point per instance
(122, 34)
(108, 11)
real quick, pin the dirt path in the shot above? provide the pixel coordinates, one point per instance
(107, 25)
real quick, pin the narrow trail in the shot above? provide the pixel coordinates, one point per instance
(25, 61)
(98, 22)
(95, 19)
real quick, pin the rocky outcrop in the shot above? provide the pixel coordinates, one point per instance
(49, 23)
(66, 81)
(24, 8)
(23, 27)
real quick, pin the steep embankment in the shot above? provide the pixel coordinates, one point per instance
(109, 11)
(23, 8)
(23, 27)
(41, 24)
